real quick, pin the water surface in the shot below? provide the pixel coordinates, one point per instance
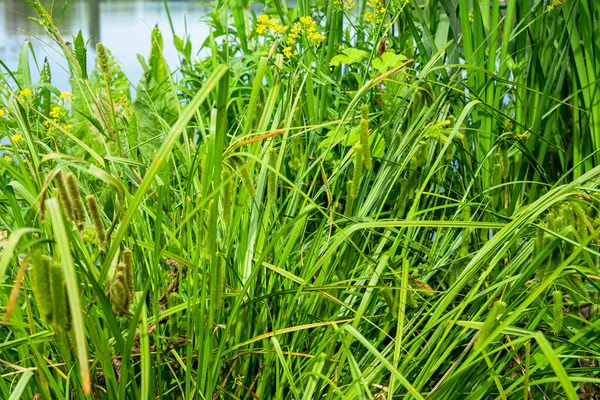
(123, 26)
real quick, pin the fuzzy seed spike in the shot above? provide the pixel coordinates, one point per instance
(227, 195)
(119, 296)
(539, 241)
(365, 142)
(581, 220)
(350, 200)
(557, 311)
(358, 170)
(505, 165)
(390, 302)
(103, 62)
(490, 322)
(364, 111)
(202, 170)
(411, 300)
(59, 298)
(75, 199)
(246, 175)
(96, 217)
(63, 196)
(40, 283)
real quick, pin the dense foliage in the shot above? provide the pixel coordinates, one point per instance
(347, 199)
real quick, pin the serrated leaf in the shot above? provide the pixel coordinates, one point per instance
(154, 101)
(23, 70)
(349, 56)
(388, 60)
(81, 53)
(44, 99)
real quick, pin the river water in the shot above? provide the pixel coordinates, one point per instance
(123, 26)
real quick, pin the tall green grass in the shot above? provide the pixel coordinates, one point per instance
(402, 205)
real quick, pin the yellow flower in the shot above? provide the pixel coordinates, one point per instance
(263, 18)
(306, 20)
(7, 159)
(287, 51)
(55, 112)
(16, 138)
(315, 37)
(67, 96)
(25, 92)
(276, 26)
(1, 113)
(260, 29)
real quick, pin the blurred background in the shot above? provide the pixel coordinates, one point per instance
(123, 26)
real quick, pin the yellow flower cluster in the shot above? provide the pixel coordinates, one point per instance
(270, 25)
(25, 93)
(555, 4)
(288, 50)
(57, 113)
(306, 27)
(1, 113)
(345, 4)
(68, 97)
(16, 138)
(378, 11)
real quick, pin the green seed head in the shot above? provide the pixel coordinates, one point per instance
(76, 202)
(364, 111)
(388, 297)
(411, 298)
(490, 323)
(365, 142)
(227, 195)
(557, 312)
(202, 170)
(358, 169)
(119, 294)
(580, 219)
(103, 62)
(63, 196)
(96, 217)
(349, 200)
(40, 284)
(245, 172)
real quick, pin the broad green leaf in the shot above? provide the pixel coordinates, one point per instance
(350, 56)
(81, 53)
(388, 60)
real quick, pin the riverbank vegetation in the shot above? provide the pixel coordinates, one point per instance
(346, 199)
